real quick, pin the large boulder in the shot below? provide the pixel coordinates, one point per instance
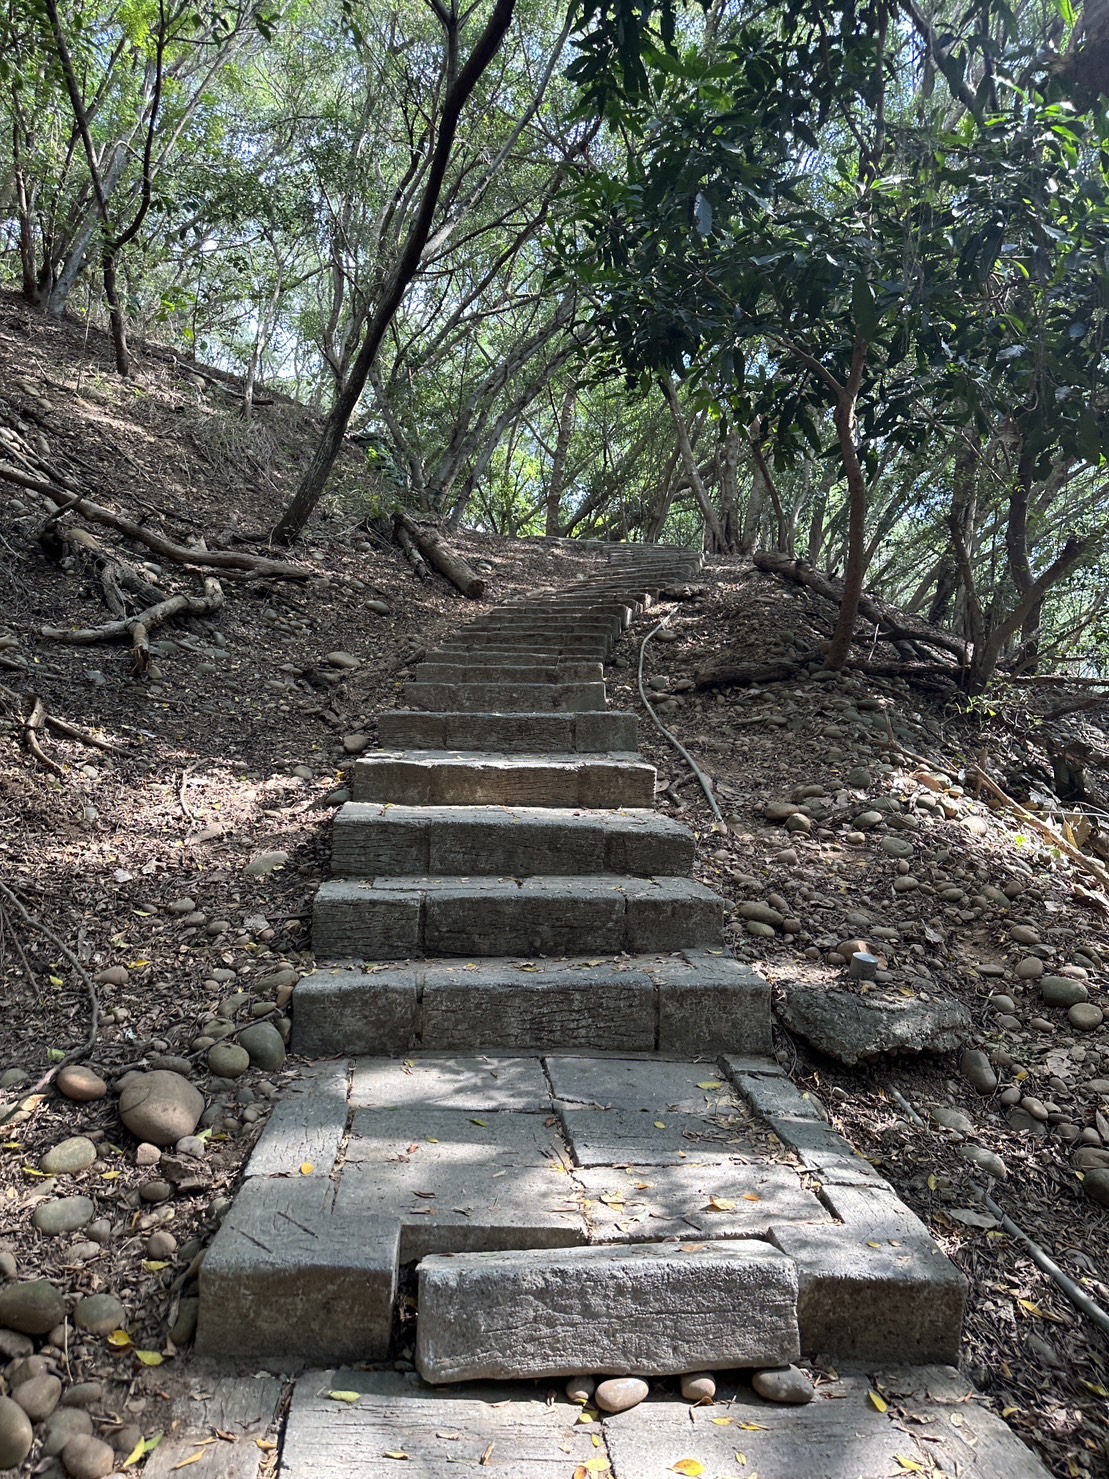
(160, 1107)
(854, 1028)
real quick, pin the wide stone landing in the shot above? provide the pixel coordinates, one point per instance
(933, 1424)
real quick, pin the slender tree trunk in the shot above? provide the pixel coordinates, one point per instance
(561, 456)
(855, 568)
(689, 462)
(312, 485)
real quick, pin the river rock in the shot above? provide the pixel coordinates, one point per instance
(68, 1156)
(619, 1393)
(61, 1426)
(160, 1106)
(83, 1394)
(580, 1389)
(698, 1386)
(1085, 1016)
(1096, 1186)
(99, 1314)
(264, 1045)
(79, 1083)
(33, 1308)
(228, 1059)
(266, 862)
(985, 1160)
(1031, 968)
(978, 1071)
(88, 1458)
(63, 1215)
(1060, 991)
(852, 1028)
(896, 847)
(39, 1396)
(952, 1119)
(16, 1435)
(789, 1384)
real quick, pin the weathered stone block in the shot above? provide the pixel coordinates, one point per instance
(650, 1310)
(352, 920)
(355, 1011)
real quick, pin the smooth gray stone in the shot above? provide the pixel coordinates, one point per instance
(63, 1215)
(435, 1081)
(286, 1278)
(839, 1435)
(650, 1310)
(444, 1434)
(857, 1301)
(599, 1137)
(265, 1045)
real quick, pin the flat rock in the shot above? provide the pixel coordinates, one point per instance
(63, 1215)
(99, 1314)
(852, 1028)
(1061, 991)
(68, 1156)
(160, 1106)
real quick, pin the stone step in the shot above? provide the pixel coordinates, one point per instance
(621, 611)
(589, 620)
(550, 656)
(458, 778)
(562, 636)
(570, 671)
(648, 1310)
(695, 1002)
(370, 839)
(553, 733)
(396, 918)
(504, 698)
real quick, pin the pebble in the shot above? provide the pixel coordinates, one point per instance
(985, 1160)
(39, 1396)
(978, 1071)
(228, 1059)
(99, 1314)
(147, 1154)
(1024, 934)
(1002, 1003)
(1096, 1186)
(156, 1191)
(99, 1231)
(161, 1245)
(127, 1438)
(619, 1393)
(88, 1458)
(1085, 1016)
(266, 862)
(264, 1045)
(83, 1394)
(953, 1119)
(66, 1423)
(68, 1156)
(354, 744)
(580, 1389)
(896, 847)
(342, 660)
(1031, 968)
(790, 1384)
(16, 1434)
(11, 1078)
(160, 1106)
(698, 1386)
(184, 1327)
(24, 1370)
(62, 1215)
(80, 1084)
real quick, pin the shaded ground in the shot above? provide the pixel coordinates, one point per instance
(236, 746)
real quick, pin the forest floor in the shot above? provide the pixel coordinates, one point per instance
(178, 868)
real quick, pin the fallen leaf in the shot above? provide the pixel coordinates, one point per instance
(119, 1340)
(722, 1422)
(267, 1445)
(395, 1453)
(597, 1465)
(345, 1396)
(154, 1265)
(483, 1123)
(193, 1458)
(720, 1204)
(911, 1465)
(691, 1466)
(151, 1358)
(878, 1403)
(306, 1168)
(712, 1083)
(1092, 1386)
(754, 1427)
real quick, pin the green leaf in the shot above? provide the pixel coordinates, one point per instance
(863, 308)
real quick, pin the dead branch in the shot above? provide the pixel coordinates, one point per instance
(453, 566)
(71, 731)
(32, 728)
(1048, 833)
(138, 628)
(180, 554)
(411, 553)
(13, 901)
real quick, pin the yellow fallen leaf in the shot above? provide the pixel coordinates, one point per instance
(267, 1445)
(878, 1403)
(597, 1465)
(119, 1340)
(751, 1196)
(193, 1458)
(1031, 1307)
(911, 1465)
(110, 1175)
(585, 1416)
(136, 1453)
(720, 1204)
(691, 1466)
(345, 1396)
(754, 1427)
(395, 1453)
(150, 1358)
(1009, 1411)
(660, 1125)
(154, 1265)
(1092, 1386)
(306, 1168)
(712, 1083)
(56, 981)
(932, 1183)
(722, 1422)
(873, 1245)
(483, 1123)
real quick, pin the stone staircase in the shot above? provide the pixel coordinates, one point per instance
(539, 1077)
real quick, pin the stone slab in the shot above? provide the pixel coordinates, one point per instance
(649, 1309)
(876, 1288)
(452, 778)
(306, 1126)
(494, 1433)
(840, 1435)
(824, 1152)
(692, 1200)
(437, 1082)
(707, 1001)
(355, 1009)
(250, 1407)
(602, 1137)
(634, 1084)
(546, 733)
(371, 838)
(432, 1140)
(286, 1278)
(482, 698)
(569, 671)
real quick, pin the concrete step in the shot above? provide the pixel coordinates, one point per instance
(504, 698)
(570, 671)
(559, 636)
(455, 778)
(550, 656)
(841, 1434)
(537, 734)
(695, 1002)
(620, 611)
(371, 839)
(648, 1310)
(590, 619)
(395, 918)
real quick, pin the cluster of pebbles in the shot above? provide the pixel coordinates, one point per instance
(786, 1384)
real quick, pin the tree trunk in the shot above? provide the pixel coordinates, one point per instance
(561, 454)
(689, 462)
(855, 569)
(310, 491)
(453, 566)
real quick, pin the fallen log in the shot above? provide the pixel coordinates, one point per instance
(453, 566)
(67, 501)
(408, 546)
(802, 574)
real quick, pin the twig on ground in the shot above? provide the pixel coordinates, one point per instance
(32, 728)
(661, 727)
